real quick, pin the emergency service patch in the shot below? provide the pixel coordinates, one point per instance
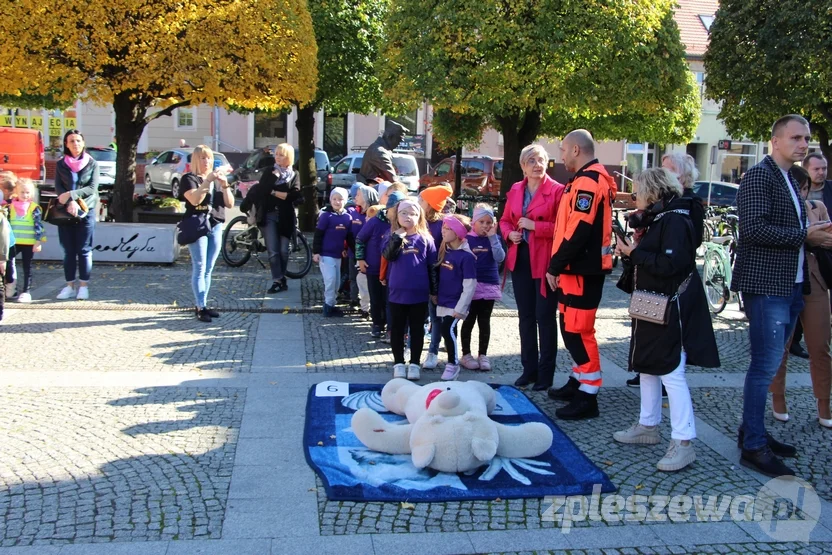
(583, 202)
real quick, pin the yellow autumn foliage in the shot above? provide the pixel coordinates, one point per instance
(251, 53)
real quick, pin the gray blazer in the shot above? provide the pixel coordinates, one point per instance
(87, 186)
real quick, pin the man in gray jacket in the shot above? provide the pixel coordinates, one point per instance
(378, 158)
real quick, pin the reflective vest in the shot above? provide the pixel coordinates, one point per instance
(583, 228)
(23, 226)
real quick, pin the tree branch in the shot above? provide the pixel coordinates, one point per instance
(167, 111)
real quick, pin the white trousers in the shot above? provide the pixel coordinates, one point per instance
(363, 291)
(331, 271)
(682, 426)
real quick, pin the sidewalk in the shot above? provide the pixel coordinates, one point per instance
(133, 428)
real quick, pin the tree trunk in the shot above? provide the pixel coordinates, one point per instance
(458, 172)
(130, 122)
(517, 134)
(305, 123)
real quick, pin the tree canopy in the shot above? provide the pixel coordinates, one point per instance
(546, 66)
(148, 57)
(349, 34)
(766, 60)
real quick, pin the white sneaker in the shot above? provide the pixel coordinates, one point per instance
(83, 293)
(399, 371)
(24, 297)
(638, 434)
(678, 456)
(67, 292)
(413, 372)
(431, 361)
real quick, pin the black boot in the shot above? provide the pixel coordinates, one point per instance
(524, 380)
(567, 392)
(202, 315)
(765, 462)
(779, 449)
(583, 405)
(634, 382)
(274, 288)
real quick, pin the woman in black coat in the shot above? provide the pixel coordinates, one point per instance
(664, 261)
(274, 199)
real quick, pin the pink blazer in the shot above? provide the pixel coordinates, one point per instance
(542, 209)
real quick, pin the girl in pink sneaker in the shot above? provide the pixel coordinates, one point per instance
(485, 244)
(457, 282)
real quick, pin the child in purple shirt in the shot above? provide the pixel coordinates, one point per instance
(333, 229)
(411, 280)
(486, 246)
(457, 283)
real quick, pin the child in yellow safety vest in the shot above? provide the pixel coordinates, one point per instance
(25, 220)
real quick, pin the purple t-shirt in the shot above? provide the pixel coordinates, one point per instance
(458, 265)
(371, 233)
(435, 229)
(407, 276)
(335, 228)
(487, 268)
(358, 218)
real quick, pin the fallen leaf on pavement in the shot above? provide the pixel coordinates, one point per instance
(638, 487)
(321, 443)
(332, 436)
(406, 505)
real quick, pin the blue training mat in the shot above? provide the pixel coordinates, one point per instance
(351, 472)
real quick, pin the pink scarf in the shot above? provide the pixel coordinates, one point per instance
(21, 207)
(77, 164)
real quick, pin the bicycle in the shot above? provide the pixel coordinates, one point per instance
(241, 241)
(720, 253)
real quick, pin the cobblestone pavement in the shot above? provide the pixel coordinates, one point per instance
(115, 464)
(133, 341)
(722, 409)
(789, 548)
(150, 462)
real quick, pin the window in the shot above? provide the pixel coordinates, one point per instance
(405, 167)
(474, 167)
(164, 158)
(342, 167)
(321, 161)
(700, 81)
(356, 164)
(497, 170)
(443, 169)
(707, 21)
(186, 118)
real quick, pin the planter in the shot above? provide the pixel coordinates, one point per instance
(155, 215)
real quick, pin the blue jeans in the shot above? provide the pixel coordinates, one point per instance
(204, 253)
(435, 329)
(276, 245)
(771, 322)
(76, 240)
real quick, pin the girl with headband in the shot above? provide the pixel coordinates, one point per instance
(486, 246)
(457, 283)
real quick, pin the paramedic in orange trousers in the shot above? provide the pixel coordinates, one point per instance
(581, 258)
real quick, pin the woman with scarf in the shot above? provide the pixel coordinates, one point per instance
(76, 184)
(273, 197)
(664, 262)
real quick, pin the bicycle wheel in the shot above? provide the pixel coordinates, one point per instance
(300, 256)
(237, 241)
(714, 278)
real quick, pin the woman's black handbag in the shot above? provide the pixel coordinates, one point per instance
(192, 227)
(56, 213)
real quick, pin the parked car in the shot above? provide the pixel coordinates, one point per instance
(480, 174)
(21, 152)
(721, 193)
(345, 171)
(251, 170)
(165, 171)
(106, 158)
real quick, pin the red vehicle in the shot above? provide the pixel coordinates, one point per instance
(480, 175)
(21, 152)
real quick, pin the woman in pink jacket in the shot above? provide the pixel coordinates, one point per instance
(528, 225)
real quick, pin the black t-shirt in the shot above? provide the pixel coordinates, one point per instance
(215, 204)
